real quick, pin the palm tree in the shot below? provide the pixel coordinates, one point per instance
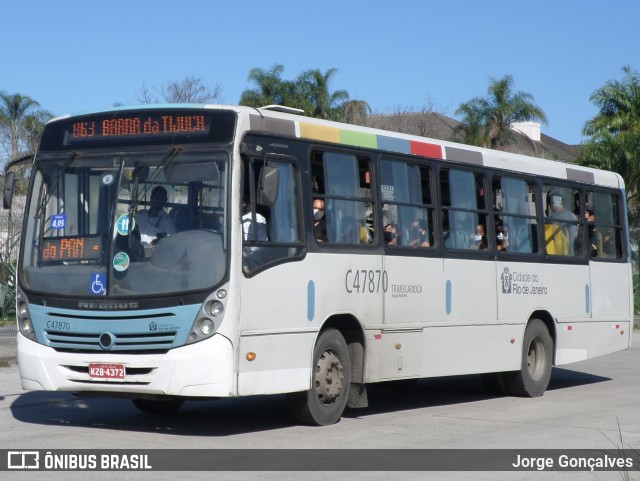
(21, 123)
(488, 120)
(270, 88)
(615, 130)
(619, 104)
(320, 102)
(309, 92)
(354, 112)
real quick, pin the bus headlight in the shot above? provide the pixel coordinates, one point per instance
(215, 308)
(24, 318)
(26, 327)
(202, 329)
(23, 310)
(209, 319)
(24, 323)
(206, 326)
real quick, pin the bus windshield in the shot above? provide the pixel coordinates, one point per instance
(128, 224)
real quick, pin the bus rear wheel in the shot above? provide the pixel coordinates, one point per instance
(537, 360)
(158, 406)
(324, 403)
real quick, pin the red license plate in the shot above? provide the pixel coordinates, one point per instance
(107, 371)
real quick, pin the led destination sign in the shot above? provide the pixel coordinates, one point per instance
(70, 249)
(139, 127)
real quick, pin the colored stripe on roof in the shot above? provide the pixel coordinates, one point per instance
(360, 139)
(425, 149)
(463, 155)
(367, 140)
(319, 132)
(393, 144)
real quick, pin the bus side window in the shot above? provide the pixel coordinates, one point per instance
(563, 224)
(342, 183)
(407, 204)
(604, 228)
(271, 233)
(515, 214)
(464, 207)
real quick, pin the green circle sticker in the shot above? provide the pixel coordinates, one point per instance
(121, 261)
(122, 224)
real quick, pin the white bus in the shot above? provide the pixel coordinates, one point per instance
(285, 254)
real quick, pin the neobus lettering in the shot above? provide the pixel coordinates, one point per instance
(364, 280)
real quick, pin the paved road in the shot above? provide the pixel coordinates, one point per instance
(589, 405)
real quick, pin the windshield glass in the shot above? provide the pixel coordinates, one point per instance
(125, 225)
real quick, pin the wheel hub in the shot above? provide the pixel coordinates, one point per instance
(535, 358)
(329, 376)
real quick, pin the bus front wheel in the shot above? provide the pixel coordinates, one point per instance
(324, 403)
(537, 360)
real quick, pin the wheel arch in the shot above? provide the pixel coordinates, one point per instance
(353, 333)
(550, 323)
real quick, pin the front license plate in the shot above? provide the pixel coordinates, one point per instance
(114, 372)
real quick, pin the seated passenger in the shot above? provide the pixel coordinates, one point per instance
(561, 222)
(319, 221)
(366, 233)
(479, 238)
(154, 223)
(502, 238)
(391, 237)
(420, 234)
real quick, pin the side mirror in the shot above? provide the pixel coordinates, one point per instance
(268, 185)
(9, 184)
(10, 178)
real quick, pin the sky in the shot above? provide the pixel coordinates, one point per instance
(74, 56)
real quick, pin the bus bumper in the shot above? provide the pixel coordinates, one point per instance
(203, 369)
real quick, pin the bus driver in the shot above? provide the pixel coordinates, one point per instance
(155, 223)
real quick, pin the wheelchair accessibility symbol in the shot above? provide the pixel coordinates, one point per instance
(99, 284)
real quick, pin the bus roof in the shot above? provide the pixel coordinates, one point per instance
(289, 122)
(354, 135)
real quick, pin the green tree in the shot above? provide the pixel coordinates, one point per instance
(310, 92)
(21, 124)
(270, 89)
(615, 130)
(321, 103)
(487, 120)
(354, 112)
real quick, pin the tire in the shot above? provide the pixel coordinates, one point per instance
(158, 406)
(537, 360)
(324, 403)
